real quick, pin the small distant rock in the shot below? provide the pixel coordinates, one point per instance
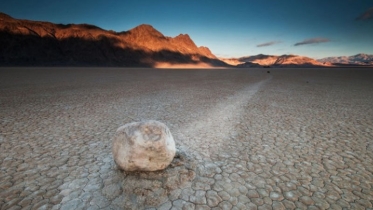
(143, 146)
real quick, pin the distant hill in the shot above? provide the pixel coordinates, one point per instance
(358, 59)
(35, 43)
(276, 61)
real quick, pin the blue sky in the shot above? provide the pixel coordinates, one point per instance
(229, 28)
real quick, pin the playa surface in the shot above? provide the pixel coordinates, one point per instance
(246, 139)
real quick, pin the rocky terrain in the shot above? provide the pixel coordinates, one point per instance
(35, 43)
(358, 59)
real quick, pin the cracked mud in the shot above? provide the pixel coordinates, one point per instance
(292, 139)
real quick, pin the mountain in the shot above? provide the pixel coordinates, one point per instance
(263, 60)
(358, 59)
(36, 43)
(231, 61)
(277, 61)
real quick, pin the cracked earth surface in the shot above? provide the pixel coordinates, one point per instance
(291, 139)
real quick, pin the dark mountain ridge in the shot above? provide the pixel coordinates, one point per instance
(37, 43)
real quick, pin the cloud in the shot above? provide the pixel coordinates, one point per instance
(367, 15)
(312, 41)
(268, 44)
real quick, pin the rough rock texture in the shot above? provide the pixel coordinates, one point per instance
(143, 146)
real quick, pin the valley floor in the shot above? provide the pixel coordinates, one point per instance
(246, 139)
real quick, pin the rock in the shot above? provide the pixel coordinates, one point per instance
(143, 146)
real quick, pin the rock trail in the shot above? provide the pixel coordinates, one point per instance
(217, 124)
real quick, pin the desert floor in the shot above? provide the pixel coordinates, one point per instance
(246, 139)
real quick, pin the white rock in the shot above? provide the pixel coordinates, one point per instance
(143, 146)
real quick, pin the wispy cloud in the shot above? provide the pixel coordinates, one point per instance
(367, 15)
(312, 41)
(268, 44)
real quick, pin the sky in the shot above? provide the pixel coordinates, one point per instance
(313, 28)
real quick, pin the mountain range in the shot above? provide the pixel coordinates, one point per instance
(276, 61)
(358, 59)
(37, 43)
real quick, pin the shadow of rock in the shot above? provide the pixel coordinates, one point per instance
(150, 189)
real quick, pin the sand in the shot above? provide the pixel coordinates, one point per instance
(293, 138)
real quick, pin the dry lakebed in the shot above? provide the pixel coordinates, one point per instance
(245, 138)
